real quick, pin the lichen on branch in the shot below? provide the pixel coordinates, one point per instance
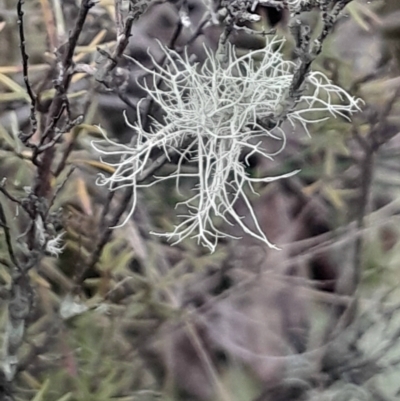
(214, 114)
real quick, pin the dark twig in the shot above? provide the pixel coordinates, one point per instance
(303, 38)
(123, 35)
(8, 195)
(42, 182)
(25, 58)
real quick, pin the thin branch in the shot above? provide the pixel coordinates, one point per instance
(123, 35)
(25, 65)
(42, 182)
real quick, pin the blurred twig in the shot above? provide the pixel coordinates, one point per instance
(370, 145)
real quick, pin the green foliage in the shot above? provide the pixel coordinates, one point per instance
(102, 331)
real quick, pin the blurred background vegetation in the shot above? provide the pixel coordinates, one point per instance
(146, 320)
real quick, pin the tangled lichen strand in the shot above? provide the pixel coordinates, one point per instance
(212, 115)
